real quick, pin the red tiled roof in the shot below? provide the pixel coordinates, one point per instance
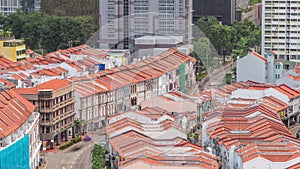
(54, 85)
(259, 56)
(14, 111)
(7, 83)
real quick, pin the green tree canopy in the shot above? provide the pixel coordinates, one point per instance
(49, 32)
(237, 39)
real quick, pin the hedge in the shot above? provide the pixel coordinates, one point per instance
(70, 143)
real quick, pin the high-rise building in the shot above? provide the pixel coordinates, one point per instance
(280, 28)
(30, 5)
(11, 6)
(223, 10)
(121, 21)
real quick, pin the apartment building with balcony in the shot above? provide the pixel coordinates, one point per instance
(280, 28)
(55, 102)
(19, 132)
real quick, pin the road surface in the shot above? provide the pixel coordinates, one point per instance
(76, 157)
(216, 77)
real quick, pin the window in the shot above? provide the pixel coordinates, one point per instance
(6, 44)
(42, 117)
(47, 117)
(47, 104)
(277, 66)
(133, 88)
(47, 129)
(277, 76)
(133, 101)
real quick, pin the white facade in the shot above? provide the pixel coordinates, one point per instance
(259, 69)
(280, 28)
(35, 143)
(251, 67)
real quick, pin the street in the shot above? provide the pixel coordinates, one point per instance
(76, 157)
(216, 77)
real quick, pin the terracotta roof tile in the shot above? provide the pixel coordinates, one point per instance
(14, 111)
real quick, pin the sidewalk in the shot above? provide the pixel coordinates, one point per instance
(44, 165)
(56, 148)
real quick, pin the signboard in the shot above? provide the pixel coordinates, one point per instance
(101, 67)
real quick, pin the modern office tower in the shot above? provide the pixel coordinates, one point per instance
(11, 6)
(224, 10)
(121, 21)
(281, 28)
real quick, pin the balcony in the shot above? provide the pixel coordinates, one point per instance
(294, 28)
(45, 123)
(62, 104)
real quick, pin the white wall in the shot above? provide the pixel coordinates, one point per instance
(252, 68)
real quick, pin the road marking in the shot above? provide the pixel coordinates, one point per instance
(63, 167)
(71, 166)
(57, 166)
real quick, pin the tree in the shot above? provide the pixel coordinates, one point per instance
(49, 32)
(202, 51)
(15, 22)
(98, 157)
(88, 24)
(238, 39)
(78, 125)
(221, 37)
(61, 33)
(205, 23)
(72, 8)
(34, 27)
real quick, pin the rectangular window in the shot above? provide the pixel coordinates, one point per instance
(133, 101)
(47, 129)
(6, 44)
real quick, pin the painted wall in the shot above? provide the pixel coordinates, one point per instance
(251, 68)
(16, 155)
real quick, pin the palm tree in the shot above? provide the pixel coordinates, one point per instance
(78, 124)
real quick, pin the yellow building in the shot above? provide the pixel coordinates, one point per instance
(13, 49)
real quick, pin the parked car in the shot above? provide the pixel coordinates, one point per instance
(87, 138)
